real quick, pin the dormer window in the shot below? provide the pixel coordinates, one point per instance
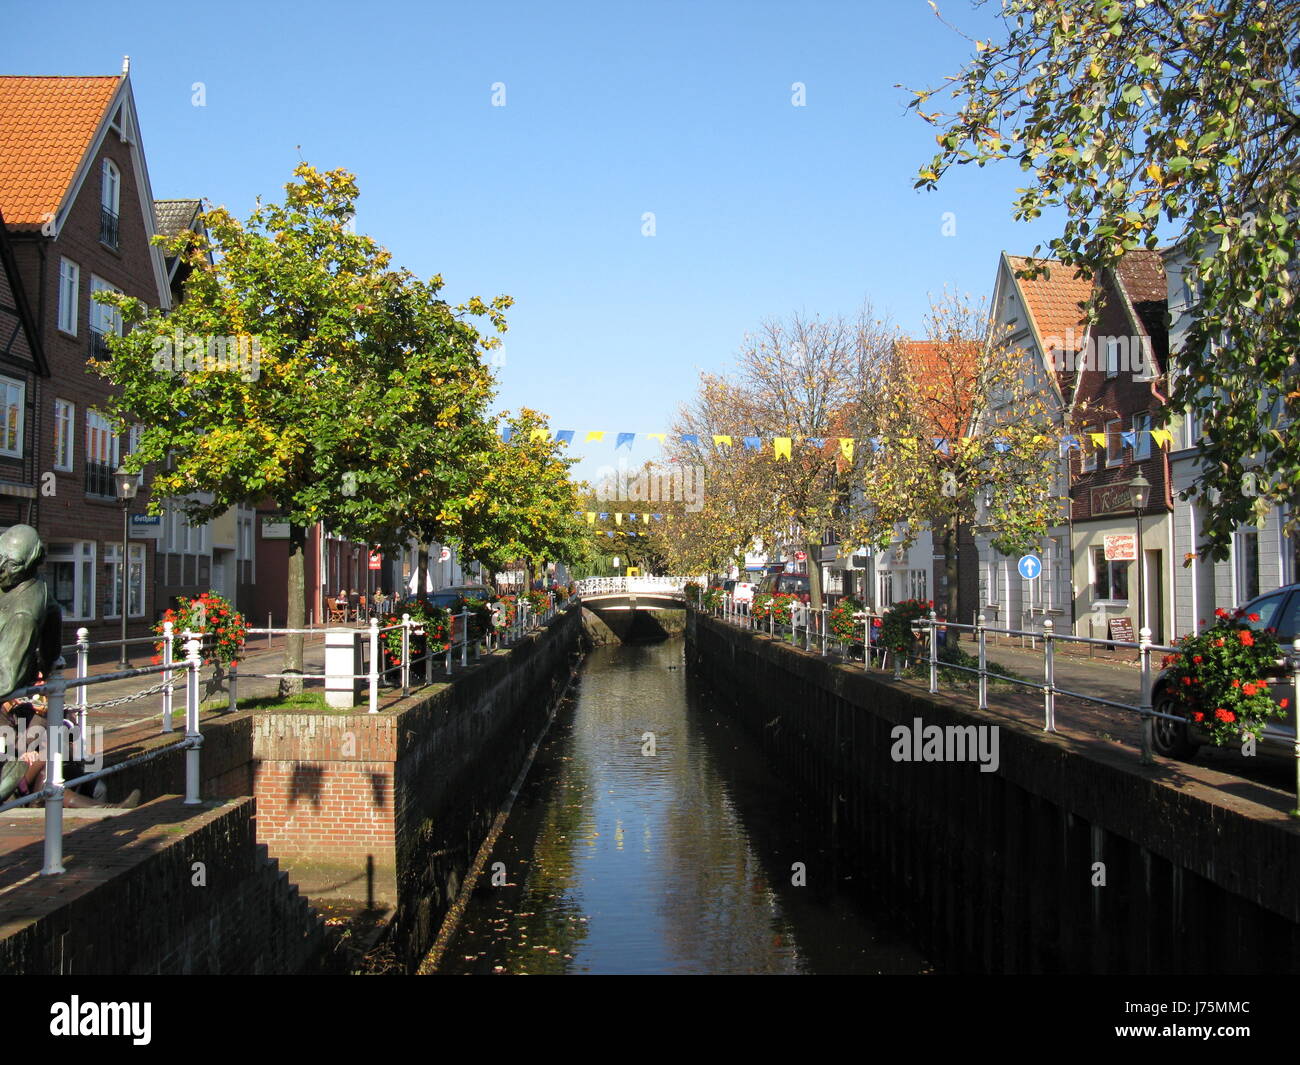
(110, 191)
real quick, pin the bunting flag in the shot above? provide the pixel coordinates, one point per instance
(781, 444)
(1098, 439)
(1162, 437)
(645, 518)
(658, 517)
(1129, 437)
(541, 434)
(596, 434)
(564, 436)
(877, 444)
(752, 442)
(661, 437)
(1000, 445)
(818, 442)
(625, 438)
(618, 517)
(690, 438)
(721, 440)
(609, 532)
(941, 445)
(1070, 442)
(591, 517)
(506, 434)
(604, 516)
(631, 517)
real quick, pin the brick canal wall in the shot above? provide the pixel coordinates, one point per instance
(390, 809)
(994, 871)
(165, 888)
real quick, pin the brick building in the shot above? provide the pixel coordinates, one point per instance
(22, 362)
(78, 210)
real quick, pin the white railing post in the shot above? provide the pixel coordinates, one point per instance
(1295, 719)
(934, 652)
(54, 739)
(169, 634)
(824, 619)
(406, 655)
(83, 671)
(464, 638)
(192, 735)
(234, 684)
(374, 665)
(866, 639)
(1049, 677)
(983, 662)
(1144, 655)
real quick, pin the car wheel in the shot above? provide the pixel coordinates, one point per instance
(1170, 738)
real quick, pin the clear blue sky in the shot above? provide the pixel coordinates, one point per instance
(612, 110)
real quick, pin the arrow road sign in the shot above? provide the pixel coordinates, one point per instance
(1029, 566)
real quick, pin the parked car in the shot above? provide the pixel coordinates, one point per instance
(795, 584)
(1278, 609)
(740, 591)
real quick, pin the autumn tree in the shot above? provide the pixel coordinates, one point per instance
(351, 357)
(1130, 115)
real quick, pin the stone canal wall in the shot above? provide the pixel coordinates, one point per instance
(995, 871)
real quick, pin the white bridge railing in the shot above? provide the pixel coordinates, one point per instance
(615, 585)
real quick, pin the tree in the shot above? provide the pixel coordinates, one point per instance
(967, 433)
(1126, 113)
(523, 506)
(348, 356)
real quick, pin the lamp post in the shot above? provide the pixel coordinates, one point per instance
(1139, 489)
(127, 485)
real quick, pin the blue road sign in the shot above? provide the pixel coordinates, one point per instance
(1030, 566)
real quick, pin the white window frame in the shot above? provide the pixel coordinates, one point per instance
(1112, 430)
(20, 410)
(65, 435)
(103, 431)
(1088, 454)
(104, 320)
(69, 294)
(1141, 436)
(81, 555)
(1112, 356)
(135, 591)
(110, 187)
(1094, 560)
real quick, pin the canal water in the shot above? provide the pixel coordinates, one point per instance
(651, 837)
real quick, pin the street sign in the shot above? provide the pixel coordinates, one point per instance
(444, 555)
(1030, 566)
(1120, 548)
(799, 556)
(376, 560)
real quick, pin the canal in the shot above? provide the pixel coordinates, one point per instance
(651, 837)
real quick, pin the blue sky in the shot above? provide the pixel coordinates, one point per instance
(611, 110)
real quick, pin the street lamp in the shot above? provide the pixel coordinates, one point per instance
(127, 485)
(1139, 490)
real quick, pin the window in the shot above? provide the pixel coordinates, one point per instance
(1287, 622)
(104, 321)
(1266, 608)
(13, 398)
(135, 580)
(1247, 565)
(1113, 355)
(1142, 433)
(69, 287)
(1109, 579)
(71, 570)
(886, 589)
(109, 192)
(101, 456)
(65, 415)
(918, 582)
(1114, 443)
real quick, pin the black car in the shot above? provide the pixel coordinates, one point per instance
(1278, 610)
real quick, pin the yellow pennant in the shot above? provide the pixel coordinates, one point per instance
(1098, 439)
(721, 440)
(618, 517)
(596, 434)
(645, 518)
(661, 437)
(781, 445)
(541, 434)
(1162, 437)
(591, 517)
(846, 447)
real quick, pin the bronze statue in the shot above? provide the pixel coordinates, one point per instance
(31, 621)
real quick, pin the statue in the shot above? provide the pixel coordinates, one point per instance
(31, 621)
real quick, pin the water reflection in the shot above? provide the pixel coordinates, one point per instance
(616, 860)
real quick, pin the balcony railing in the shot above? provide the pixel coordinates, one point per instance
(98, 344)
(99, 480)
(108, 227)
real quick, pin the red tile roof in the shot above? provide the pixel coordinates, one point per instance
(1053, 301)
(46, 125)
(944, 371)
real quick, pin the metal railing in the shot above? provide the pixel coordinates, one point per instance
(607, 585)
(58, 742)
(818, 636)
(108, 226)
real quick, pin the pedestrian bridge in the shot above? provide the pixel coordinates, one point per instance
(630, 608)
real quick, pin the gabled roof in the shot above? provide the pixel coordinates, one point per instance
(1053, 303)
(1141, 276)
(175, 216)
(51, 129)
(46, 127)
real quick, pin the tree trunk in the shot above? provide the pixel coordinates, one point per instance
(814, 575)
(950, 574)
(297, 613)
(422, 568)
